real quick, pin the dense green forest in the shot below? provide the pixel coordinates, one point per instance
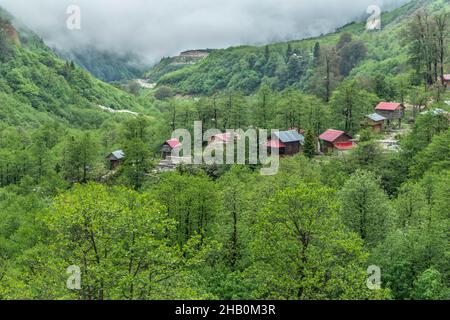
(225, 231)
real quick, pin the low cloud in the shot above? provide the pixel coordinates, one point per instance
(156, 28)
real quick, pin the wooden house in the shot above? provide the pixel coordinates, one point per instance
(115, 159)
(391, 111)
(446, 81)
(335, 140)
(375, 121)
(288, 143)
(169, 146)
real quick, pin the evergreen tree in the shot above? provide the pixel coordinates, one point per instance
(310, 146)
(316, 51)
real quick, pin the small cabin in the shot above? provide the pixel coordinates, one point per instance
(288, 143)
(391, 111)
(115, 159)
(375, 121)
(169, 146)
(446, 81)
(336, 140)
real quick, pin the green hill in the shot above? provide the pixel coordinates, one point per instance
(282, 65)
(35, 85)
(87, 214)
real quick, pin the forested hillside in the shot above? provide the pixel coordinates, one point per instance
(217, 231)
(303, 64)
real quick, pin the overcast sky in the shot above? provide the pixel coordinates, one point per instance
(156, 28)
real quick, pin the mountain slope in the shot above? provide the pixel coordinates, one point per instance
(282, 65)
(35, 85)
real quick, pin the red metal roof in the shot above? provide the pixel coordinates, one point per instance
(344, 145)
(224, 137)
(173, 143)
(331, 135)
(275, 144)
(388, 106)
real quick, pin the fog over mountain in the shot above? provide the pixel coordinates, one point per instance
(154, 28)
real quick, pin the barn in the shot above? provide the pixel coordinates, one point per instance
(335, 140)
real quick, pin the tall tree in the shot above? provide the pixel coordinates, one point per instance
(442, 33)
(118, 240)
(316, 51)
(351, 104)
(294, 257)
(136, 163)
(80, 154)
(365, 207)
(310, 146)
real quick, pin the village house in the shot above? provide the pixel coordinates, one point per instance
(288, 143)
(375, 121)
(169, 146)
(391, 111)
(447, 81)
(115, 159)
(335, 141)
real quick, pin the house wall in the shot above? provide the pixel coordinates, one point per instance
(292, 148)
(377, 126)
(281, 151)
(113, 164)
(328, 147)
(392, 115)
(166, 151)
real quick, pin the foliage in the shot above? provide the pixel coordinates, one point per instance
(226, 232)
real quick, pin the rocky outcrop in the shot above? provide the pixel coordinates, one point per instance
(10, 31)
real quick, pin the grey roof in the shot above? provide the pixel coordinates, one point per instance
(119, 154)
(290, 136)
(376, 117)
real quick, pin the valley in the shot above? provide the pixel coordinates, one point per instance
(93, 175)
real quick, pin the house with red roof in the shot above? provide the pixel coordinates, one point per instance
(391, 111)
(446, 80)
(336, 140)
(169, 146)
